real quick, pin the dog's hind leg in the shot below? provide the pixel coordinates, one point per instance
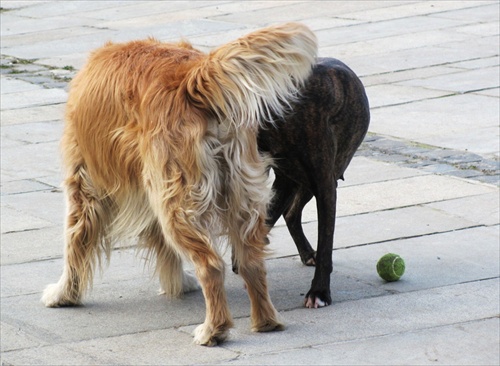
(250, 254)
(293, 219)
(210, 272)
(85, 220)
(183, 230)
(248, 197)
(174, 281)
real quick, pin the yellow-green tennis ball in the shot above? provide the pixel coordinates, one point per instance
(391, 267)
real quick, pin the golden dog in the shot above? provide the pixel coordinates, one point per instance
(160, 144)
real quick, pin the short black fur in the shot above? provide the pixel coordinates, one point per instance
(311, 150)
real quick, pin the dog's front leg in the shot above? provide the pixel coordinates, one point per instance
(319, 294)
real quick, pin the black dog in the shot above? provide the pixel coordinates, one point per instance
(311, 150)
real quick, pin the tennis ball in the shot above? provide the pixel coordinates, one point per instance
(391, 267)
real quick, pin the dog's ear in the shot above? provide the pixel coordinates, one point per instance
(246, 81)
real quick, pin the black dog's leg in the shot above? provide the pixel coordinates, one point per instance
(319, 294)
(284, 191)
(293, 218)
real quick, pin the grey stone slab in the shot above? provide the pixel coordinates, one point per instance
(35, 114)
(33, 98)
(14, 338)
(58, 355)
(483, 12)
(379, 30)
(20, 186)
(409, 9)
(34, 133)
(30, 161)
(47, 205)
(395, 42)
(76, 60)
(33, 244)
(143, 10)
(433, 260)
(381, 316)
(494, 92)
(481, 29)
(384, 95)
(478, 63)
(53, 180)
(409, 59)
(15, 4)
(374, 227)
(404, 192)
(364, 170)
(50, 34)
(161, 347)
(484, 78)
(52, 9)
(432, 121)
(14, 23)
(294, 12)
(392, 77)
(474, 343)
(11, 85)
(14, 221)
(394, 192)
(482, 209)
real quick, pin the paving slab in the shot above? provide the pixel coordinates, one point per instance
(53, 112)
(435, 122)
(482, 209)
(412, 8)
(484, 78)
(404, 192)
(11, 85)
(422, 347)
(375, 317)
(27, 161)
(33, 98)
(394, 94)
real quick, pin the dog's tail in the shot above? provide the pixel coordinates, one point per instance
(247, 81)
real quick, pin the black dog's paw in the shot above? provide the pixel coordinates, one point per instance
(317, 299)
(308, 258)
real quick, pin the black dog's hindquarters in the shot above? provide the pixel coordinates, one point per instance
(311, 150)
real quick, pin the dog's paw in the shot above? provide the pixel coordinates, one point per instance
(269, 325)
(206, 335)
(308, 258)
(316, 300)
(54, 296)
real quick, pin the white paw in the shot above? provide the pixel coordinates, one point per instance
(205, 335)
(51, 296)
(54, 296)
(317, 303)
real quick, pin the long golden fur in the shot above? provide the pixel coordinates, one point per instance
(160, 144)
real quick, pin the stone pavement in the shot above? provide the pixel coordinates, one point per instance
(425, 184)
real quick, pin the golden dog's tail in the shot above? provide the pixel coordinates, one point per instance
(248, 80)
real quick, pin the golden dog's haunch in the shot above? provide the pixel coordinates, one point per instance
(160, 144)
